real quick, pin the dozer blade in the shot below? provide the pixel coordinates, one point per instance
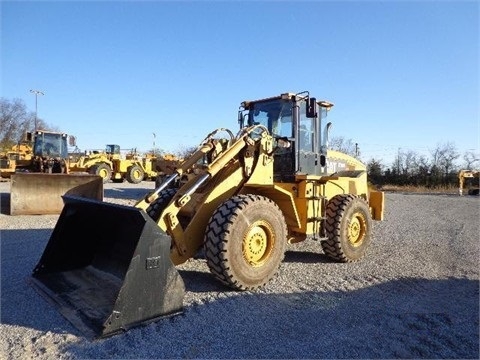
(41, 193)
(107, 268)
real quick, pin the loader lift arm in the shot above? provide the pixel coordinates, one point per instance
(220, 152)
(208, 145)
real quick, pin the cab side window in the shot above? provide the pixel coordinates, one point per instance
(306, 131)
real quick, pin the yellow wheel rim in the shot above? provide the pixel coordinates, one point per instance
(258, 243)
(136, 174)
(103, 173)
(357, 229)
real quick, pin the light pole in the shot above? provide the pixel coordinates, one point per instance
(36, 92)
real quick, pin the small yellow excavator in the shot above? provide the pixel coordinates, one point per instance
(110, 267)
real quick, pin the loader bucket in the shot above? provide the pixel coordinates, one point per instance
(107, 268)
(41, 193)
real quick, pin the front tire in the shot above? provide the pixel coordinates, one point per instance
(348, 227)
(135, 174)
(245, 241)
(156, 207)
(102, 170)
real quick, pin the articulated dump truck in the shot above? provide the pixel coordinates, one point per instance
(109, 267)
(38, 182)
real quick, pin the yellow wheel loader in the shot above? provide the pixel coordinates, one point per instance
(40, 180)
(165, 165)
(97, 162)
(110, 165)
(469, 180)
(134, 168)
(19, 156)
(111, 267)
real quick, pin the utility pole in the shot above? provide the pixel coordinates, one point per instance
(36, 92)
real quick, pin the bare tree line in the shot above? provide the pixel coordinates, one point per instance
(15, 121)
(411, 169)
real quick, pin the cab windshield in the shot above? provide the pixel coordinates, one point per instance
(112, 149)
(275, 115)
(50, 145)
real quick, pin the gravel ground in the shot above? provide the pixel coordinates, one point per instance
(415, 295)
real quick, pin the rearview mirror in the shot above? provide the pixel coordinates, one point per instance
(311, 111)
(323, 160)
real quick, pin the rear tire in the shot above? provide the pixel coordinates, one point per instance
(135, 174)
(102, 170)
(245, 241)
(348, 227)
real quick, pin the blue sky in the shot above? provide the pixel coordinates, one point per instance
(403, 75)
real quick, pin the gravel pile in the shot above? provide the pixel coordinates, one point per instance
(415, 295)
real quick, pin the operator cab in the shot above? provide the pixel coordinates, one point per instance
(294, 121)
(50, 145)
(112, 149)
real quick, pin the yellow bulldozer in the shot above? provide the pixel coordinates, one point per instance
(110, 267)
(40, 179)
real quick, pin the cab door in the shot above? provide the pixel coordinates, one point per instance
(306, 142)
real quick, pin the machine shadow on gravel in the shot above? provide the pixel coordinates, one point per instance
(423, 318)
(5, 203)
(202, 282)
(306, 257)
(198, 281)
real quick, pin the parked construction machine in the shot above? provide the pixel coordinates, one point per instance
(97, 162)
(470, 180)
(39, 181)
(19, 155)
(111, 165)
(110, 267)
(134, 168)
(165, 165)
